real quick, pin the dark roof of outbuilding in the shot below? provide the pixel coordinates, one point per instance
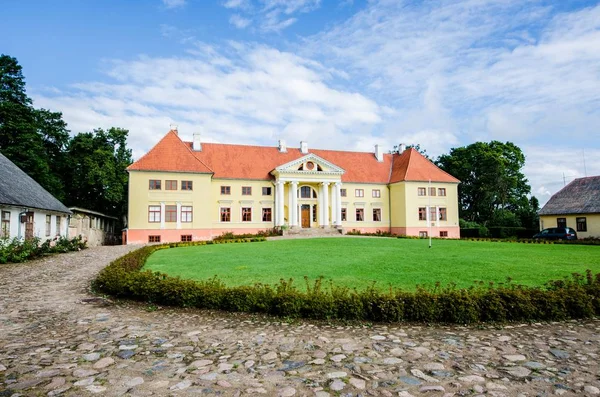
(582, 196)
(19, 189)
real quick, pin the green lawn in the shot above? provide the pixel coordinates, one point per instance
(356, 262)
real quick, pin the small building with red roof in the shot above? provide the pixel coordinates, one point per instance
(188, 191)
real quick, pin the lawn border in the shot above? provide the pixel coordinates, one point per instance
(570, 298)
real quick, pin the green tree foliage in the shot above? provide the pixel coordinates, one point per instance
(493, 189)
(417, 147)
(96, 175)
(87, 170)
(32, 139)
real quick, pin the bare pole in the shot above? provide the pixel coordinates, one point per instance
(429, 212)
(584, 169)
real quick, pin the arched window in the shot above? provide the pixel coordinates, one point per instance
(307, 192)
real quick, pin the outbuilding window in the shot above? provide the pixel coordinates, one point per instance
(582, 224)
(5, 223)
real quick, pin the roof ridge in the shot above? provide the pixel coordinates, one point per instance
(435, 165)
(290, 147)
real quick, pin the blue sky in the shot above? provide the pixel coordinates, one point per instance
(339, 74)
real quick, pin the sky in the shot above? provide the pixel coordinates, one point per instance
(339, 74)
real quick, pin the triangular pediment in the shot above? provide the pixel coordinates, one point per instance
(309, 164)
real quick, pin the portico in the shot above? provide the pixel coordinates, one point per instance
(312, 186)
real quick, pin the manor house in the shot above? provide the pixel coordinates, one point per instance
(188, 191)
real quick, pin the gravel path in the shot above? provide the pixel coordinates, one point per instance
(57, 339)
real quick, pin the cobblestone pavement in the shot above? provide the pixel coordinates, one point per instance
(57, 339)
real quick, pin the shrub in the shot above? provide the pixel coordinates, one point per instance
(575, 297)
(262, 233)
(19, 250)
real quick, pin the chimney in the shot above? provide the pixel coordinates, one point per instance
(174, 128)
(379, 153)
(196, 144)
(282, 146)
(401, 148)
(303, 147)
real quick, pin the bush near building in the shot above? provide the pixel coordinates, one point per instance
(574, 297)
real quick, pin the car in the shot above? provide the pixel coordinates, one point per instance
(557, 233)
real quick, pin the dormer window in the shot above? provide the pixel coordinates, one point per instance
(310, 166)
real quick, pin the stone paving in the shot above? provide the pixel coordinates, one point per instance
(56, 339)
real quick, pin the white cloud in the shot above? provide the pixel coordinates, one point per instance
(270, 15)
(174, 3)
(459, 71)
(239, 22)
(252, 94)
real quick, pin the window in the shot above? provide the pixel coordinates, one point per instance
(154, 184)
(422, 234)
(5, 223)
(154, 239)
(307, 192)
(266, 215)
(422, 191)
(226, 190)
(376, 214)
(246, 190)
(343, 193)
(58, 218)
(48, 224)
(170, 185)
(442, 191)
(432, 214)
(314, 213)
(442, 214)
(170, 213)
(443, 234)
(154, 213)
(360, 214)
(186, 213)
(246, 214)
(186, 237)
(344, 214)
(561, 222)
(186, 185)
(225, 214)
(359, 193)
(266, 191)
(581, 224)
(376, 193)
(422, 213)
(432, 191)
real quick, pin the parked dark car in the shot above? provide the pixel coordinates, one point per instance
(557, 233)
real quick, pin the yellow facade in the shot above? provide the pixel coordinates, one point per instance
(305, 193)
(592, 223)
(409, 202)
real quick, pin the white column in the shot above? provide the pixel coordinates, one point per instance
(320, 206)
(290, 204)
(162, 215)
(326, 204)
(338, 206)
(178, 215)
(294, 207)
(278, 203)
(333, 207)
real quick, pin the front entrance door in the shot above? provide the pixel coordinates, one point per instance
(305, 216)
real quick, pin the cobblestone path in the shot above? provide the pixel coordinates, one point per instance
(57, 339)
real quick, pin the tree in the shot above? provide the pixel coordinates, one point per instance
(97, 178)
(493, 187)
(32, 139)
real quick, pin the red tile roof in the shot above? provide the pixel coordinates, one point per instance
(256, 162)
(413, 166)
(170, 154)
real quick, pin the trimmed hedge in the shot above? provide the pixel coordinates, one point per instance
(574, 297)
